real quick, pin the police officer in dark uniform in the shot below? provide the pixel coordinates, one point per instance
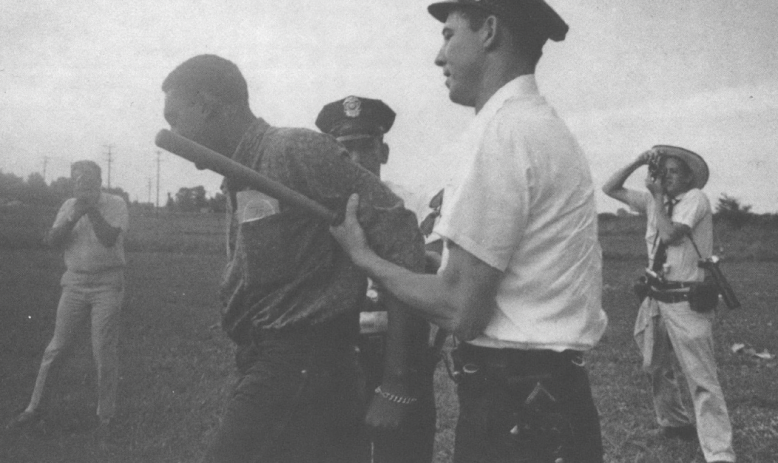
(360, 124)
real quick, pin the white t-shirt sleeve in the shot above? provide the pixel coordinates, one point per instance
(116, 213)
(691, 209)
(65, 212)
(488, 212)
(638, 201)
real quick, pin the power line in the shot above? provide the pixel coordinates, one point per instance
(159, 160)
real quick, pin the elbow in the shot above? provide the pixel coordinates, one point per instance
(110, 242)
(612, 191)
(110, 239)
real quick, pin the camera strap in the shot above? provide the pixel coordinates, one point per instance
(660, 249)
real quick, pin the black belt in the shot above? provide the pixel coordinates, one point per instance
(659, 285)
(668, 297)
(525, 362)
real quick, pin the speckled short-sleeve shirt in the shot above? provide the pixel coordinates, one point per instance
(285, 268)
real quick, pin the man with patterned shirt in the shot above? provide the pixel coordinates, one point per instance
(669, 333)
(289, 291)
(360, 124)
(521, 278)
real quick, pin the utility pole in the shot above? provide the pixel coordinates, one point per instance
(149, 190)
(45, 163)
(159, 159)
(110, 160)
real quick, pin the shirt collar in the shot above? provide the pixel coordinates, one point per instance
(250, 140)
(676, 199)
(521, 86)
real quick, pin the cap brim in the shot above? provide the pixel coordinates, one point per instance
(441, 10)
(356, 136)
(695, 162)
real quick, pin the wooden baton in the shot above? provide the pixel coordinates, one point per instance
(206, 158)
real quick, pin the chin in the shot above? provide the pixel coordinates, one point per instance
(459, 98)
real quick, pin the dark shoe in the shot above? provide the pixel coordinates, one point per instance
(686, 433)
(25, 420)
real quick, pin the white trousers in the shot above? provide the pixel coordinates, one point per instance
(76, 304)
(672, 336)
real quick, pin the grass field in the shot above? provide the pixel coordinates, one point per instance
(177, 367)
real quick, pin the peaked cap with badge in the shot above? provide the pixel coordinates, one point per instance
(355, 117)
(538, 13)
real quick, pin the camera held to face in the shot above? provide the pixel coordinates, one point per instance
(656, 166)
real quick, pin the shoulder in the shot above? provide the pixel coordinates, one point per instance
(526, 117)
(696, 196)
(113, 199)
(302, 137)
(66, 207)
(113, 204)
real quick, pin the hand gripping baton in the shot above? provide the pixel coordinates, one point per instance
(206, 158)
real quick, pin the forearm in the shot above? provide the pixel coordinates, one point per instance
(58, 235)
(424, 294)
(448, 300)
(670, 233)
(614, 187)
(404, 341)
(105, 232)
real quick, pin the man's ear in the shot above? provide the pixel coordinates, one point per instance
(384, 152)
(488, 32)
(209, 104)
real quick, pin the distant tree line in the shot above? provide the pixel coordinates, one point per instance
(34, 191)
(195, 200)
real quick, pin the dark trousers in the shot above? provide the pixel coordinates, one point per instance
(524, 406)
(414, 440)
(297, 400)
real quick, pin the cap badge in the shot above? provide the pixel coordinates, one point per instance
(352, 106)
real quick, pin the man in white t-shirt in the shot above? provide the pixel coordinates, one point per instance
(679, 232)
(89, 229)
(521, 278)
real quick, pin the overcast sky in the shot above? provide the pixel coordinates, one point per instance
(699, 74)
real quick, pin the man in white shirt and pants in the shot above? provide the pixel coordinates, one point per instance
(89, 229)
(679, 232)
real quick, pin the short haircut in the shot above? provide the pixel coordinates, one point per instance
(209, 74)
(525, 36)
(86, 164)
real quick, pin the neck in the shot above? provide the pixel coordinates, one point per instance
(499, 70)
(234, 126)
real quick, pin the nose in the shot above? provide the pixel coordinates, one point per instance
(440, 59)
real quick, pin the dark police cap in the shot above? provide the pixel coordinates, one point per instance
(538, 12)
(355, 117)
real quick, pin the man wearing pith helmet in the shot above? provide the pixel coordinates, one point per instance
(679, 232)
(396, 432)
(521, 280)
